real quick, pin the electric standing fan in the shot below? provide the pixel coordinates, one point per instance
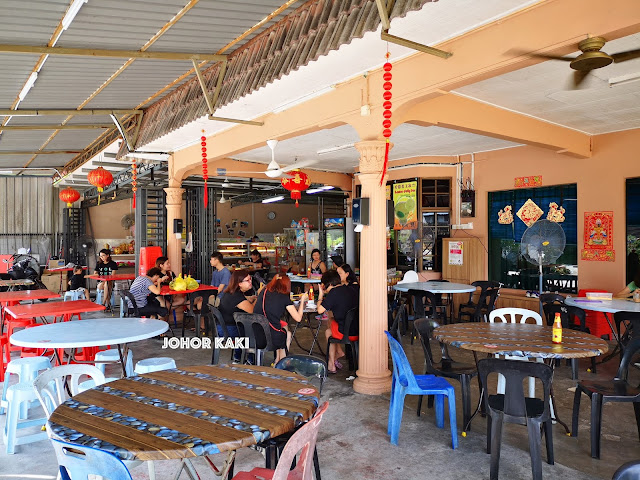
(542, 244)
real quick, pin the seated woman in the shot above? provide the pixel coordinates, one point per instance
(105, 266)
(348, 277)
(256, 260)
(145, 290)
(234, 301)
(173, 301)
(629, 289)
(272, 302)
(317, 266)
(338, 299)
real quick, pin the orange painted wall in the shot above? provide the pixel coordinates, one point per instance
(601, 187)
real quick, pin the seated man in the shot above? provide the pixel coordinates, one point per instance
(142, 287)
(338, 299)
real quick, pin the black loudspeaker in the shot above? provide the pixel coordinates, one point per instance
(360, 211)
(177, 225)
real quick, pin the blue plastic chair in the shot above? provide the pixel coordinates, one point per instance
(77, 462)
(405, 382)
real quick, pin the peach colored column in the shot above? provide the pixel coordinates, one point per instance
(374, 376)
(174, 245)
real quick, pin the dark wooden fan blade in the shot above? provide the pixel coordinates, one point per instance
(518, 51)
(624, 56)
(579, 76)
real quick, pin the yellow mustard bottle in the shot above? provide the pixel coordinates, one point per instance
(557, 329)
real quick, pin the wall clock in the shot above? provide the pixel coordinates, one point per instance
(271, 215)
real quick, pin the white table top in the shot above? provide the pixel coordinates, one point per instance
(298, 279)
(607, 306)
(435, 287)
(96, 332)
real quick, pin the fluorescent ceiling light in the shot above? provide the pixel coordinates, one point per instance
(73, 10)
(304, 98)
(27, 86)
(273, 199)
(335, 149)
(321, 189)
(622, 79)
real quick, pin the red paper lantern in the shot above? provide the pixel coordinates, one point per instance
(386, 114)
(100, 178)
(69, 195)
(296, 184)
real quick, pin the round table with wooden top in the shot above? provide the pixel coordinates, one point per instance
(186, 412)
(521, 340)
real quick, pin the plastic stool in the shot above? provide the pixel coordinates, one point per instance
(155, 364)
(99, 297)
(112, 355)
(19, 395)
(74, 295)
(27, 370)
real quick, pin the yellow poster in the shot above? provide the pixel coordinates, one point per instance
(405, 206)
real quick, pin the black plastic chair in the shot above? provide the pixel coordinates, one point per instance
(475, 312)
(424, 306)
(192, 312)
(628, 471)
(513, 407)
(256, 328)
(548, 299)
(397, 318)
(353, 315)
(126, 294)
(446, 367)
(602, 391)
(443, 301)
(631, 322)
(573, 318)
(214, 319)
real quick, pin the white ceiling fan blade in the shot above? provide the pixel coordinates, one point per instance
(297, 165)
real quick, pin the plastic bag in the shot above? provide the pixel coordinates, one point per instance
(191, 283)
(180, 284)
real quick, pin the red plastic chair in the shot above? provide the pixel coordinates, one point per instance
(13, 323)
(304, 439)
(5, 355)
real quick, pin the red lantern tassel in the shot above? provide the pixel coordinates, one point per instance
(206, 194)
(134, 200)
(386, 161)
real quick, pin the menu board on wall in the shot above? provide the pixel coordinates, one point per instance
(405, 206)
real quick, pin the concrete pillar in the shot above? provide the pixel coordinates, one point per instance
(374, 376)
(174, 245)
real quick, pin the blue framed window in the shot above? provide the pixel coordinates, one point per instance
(507, 266)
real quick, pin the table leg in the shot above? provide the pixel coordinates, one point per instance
(479, 408)
(123, 356)
(554, 415)
(615, 336)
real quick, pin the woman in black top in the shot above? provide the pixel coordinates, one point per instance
(348, 277)
(234, 301)
(272, 302)
(105, 266)
(317, 266)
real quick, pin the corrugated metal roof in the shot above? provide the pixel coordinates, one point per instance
(30, 22)
(43, 120)
(314, 29)
(13, 160)
(14, 73)
(14, 140)
(73, 139)
(50, 160)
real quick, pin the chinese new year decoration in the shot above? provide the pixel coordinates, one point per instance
(69, 195)
(556, 213)
(505, 216)
(205, 171)
(100, 178)
(386, 123)
(296, 184)
(529, 213)
(134, 181)
(598, 237)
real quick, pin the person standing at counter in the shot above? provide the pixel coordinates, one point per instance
(105, 266)
(220, 277)
(317, 266)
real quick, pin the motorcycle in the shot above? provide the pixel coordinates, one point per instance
(25, 267)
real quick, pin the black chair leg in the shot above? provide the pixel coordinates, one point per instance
(636, 408)
(496, 443)
(535, 449)
(316, 463)
(576, 411)
(548, 437)
(430, 401)
(574, 369)
(593, 364)
(465, 386)
(596, 424)
(420, 404)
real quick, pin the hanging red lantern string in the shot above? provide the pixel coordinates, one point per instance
(205, 171)
(100, 178)
(386, 123)
(69, 195)
(134, 181)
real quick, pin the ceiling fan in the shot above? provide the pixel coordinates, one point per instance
(591, 58)
(273, 169)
